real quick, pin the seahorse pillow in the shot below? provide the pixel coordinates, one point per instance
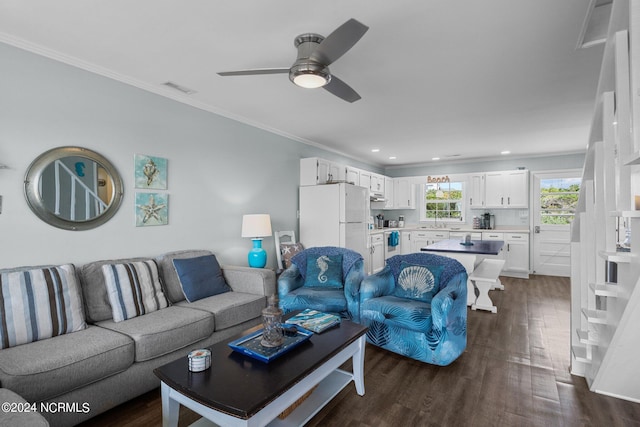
(418, 282)
(324, 271)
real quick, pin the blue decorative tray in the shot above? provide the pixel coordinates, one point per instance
(250, 345)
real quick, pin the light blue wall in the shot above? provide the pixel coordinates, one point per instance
(219, 169)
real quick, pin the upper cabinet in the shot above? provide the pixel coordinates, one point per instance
(404, 195)
(476, 191)
(315, 171)
(352, 175)
(388, 193)
(377, 186)
(506, 189)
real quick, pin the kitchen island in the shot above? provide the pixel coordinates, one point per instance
(467, 255)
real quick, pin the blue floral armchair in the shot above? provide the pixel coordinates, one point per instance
(325, 278)
(417, 307)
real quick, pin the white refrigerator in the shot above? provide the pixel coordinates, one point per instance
(334, 215)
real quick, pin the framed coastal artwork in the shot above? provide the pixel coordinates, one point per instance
(150, 172)
(152, 209)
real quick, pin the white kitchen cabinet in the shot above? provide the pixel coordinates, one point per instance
(315, 171)
(476, 190)
(493, 235)
(365, 179)
(388, 193)
(405, 242)
(506, 189)
(516, 253)
(475, 235)
(377, 252)
(403, 194)
(377, 184)
(352, 175)
(420, 239)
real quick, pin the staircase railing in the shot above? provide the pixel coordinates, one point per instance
(90, 195)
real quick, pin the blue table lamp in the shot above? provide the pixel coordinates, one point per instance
(256, 227)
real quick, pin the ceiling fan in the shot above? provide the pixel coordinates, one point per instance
(315, 54)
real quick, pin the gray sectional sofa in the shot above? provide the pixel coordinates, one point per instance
(107, 363)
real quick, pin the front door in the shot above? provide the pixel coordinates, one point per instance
(555, 197)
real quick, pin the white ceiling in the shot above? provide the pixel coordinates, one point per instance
(462, 78)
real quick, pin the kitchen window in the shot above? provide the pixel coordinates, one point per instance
(442, 201)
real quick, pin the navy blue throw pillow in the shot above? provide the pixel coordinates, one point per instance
(418, 282)
(324, 271)
(200, 277)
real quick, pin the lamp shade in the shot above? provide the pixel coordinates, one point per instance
(256, 225)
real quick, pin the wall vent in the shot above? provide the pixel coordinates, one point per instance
(181, 88)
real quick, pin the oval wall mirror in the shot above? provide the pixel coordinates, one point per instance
(73, 188)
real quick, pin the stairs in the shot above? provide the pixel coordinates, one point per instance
(605, 300)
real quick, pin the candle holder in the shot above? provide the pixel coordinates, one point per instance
(272, 334)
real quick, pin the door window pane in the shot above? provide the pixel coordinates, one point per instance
(558, 200)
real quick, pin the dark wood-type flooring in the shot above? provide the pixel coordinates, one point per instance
(515, 372)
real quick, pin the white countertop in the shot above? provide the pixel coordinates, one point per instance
(498, 229)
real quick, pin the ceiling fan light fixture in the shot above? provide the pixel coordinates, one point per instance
(310, 80)
(309, 75)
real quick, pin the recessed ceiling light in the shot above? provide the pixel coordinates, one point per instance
(435, 158)
(392, 157)
(505, 152)
(375, 150)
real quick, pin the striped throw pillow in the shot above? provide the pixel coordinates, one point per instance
(38, 303)
(134, 289)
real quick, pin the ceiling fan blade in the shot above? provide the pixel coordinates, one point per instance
(255, 71)
(341, 89)
(340, 41)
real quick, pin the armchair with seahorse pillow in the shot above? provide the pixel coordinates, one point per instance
(323, 278)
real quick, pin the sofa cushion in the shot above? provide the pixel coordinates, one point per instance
(329, 300)
(45, 369)
(169, 275)
(401, 312)
(38, 303)
(134, 289)
(164, 331)
(200, 277)
(18, 418)
(230, 308)
(94, 288)
(418, 282)
(324, 271)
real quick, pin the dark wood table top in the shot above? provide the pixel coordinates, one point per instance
(479, 247)
(239, 385)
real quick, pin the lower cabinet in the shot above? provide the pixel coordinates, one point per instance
(376, 253)
(405, 242)
(516, 253)
(420, 239)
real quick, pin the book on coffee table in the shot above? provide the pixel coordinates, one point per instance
(314, 320)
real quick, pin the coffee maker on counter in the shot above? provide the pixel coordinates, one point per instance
(486, 221)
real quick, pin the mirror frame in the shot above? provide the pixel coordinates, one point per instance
(36, 202)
